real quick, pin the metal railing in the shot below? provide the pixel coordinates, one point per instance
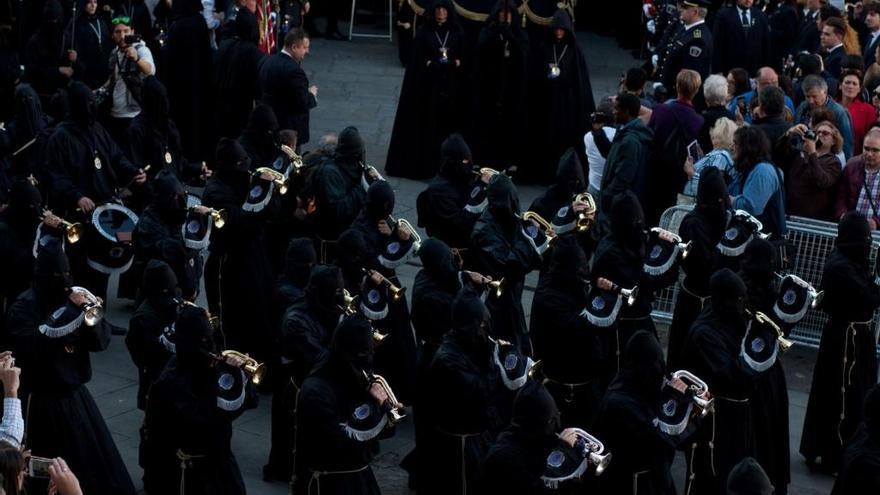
(812, 242)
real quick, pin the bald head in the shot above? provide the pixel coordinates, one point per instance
(767, 77)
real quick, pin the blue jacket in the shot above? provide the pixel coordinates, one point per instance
(762, 194)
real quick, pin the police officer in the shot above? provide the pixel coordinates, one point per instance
(691, 48)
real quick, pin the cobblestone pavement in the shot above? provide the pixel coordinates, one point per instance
(359, 82)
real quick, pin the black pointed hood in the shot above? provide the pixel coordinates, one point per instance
(748, 478)
(456, 161)
(262, 128)
(169, 198)
(535, 414)
(712, 201)
(154, 104)
(570, 173)
(160, 282)
(728, 293)
(323, 291)
(628, 222)
(82, 108)
(52, 280)
(29, 116)
(25, 207)
(438, 262)
(643, 365)
(194, 339)
(502, 196)
(380, 201)
(854, 237)
(351, 248)
(299, 260)
(246, 26)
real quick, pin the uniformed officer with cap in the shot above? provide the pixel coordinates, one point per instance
(691, 48)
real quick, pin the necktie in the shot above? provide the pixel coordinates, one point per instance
(745, 18)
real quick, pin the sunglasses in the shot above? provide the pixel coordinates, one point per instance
(121, 20)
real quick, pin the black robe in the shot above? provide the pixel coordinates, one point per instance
(236, 65)
(442, 213)
(431, 101)
(93, 46)
(245, 277)
(184, 415)
(702, 230)
(500, 77)
(187, 74)
(145, 346)
(153, 238)
(16, 260)
(641, 454)
(328, 398)
(63, 419)
(847, 349)
(568, 346)
(338, 198)
(396, 356)
(712, 352)
(45, 52)
(514, 465)
(459, 432)
(860, 469)
(561, 106)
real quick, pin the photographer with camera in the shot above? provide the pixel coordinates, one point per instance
(812, 169)
(130, 62)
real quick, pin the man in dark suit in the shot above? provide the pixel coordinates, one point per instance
(807, 39)
(692, 47)
(742, 38)
(831, 40)
(872, 34)
(285, 87)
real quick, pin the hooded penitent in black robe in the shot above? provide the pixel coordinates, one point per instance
(336, 190)
(409, 20)
(442, 207)
(458, 431)
(335, 459)
(27, 124)
(641, 453)
(860, 469)
(516, 461)
(158, 235)
(152, 134)
(501, 77)
(565, 342)
(63, 419)
(150, 337)
(187, 73)
(702, 227)
(431, 99)
(46, 52)
(304, 344)
(620, 258)
(245, 282)
(712, 352)
(561, 105)
(71, 155)
(502, 250)
(187, 433)
(570, 181)
(769, 404)
(396, 356)
(235, 75)
(18, 224)
(846, 366)
(93, 45)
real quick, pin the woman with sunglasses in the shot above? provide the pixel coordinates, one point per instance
(863, 114)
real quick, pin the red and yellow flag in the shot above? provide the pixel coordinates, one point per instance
(265, 23)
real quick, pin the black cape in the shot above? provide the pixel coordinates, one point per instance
(236, 65)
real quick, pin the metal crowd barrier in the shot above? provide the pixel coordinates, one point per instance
(812, 240)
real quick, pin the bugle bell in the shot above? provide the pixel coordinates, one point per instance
(496, 287)
(251, 367)
(280, 181)
(218, 217)
(684, 247)
(73, 232)
(479, 171)
(397, 293)
(93, 309)
(296, 162)
(784, 343)
(702, 399)
(391, 406)
(586, 218)
(592, 449)
(630, 294)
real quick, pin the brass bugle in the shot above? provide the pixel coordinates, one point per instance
(73, 232)
(93, 309)
(684, 247)
(280, 181)
(586, 218)
(396, 292)
(593, 450)
(479, 171)
(392, 406)
(630, 294)
(217, 216)
(784, 343)
(295, 160)
(702, 398)
(496, 287)
(417, 239)
(544, 224)
(251, 367)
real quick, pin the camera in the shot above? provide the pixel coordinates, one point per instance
(810, 134)
(132, 39)
(742, 106)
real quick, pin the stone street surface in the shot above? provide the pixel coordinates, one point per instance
(359, 83)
